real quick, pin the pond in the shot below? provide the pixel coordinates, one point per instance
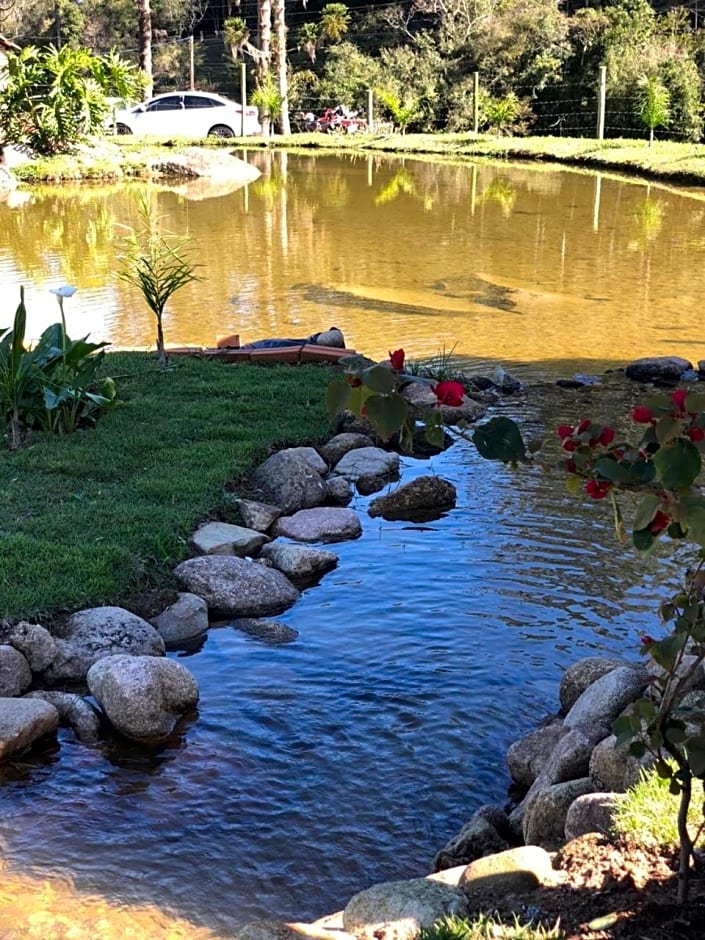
(351, 755)
(519, 264)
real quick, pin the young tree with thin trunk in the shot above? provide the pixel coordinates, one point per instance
(144, 22)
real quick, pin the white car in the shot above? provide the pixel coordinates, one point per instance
(185, 114)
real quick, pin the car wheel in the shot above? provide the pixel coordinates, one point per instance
(122, 129)
(221, 130)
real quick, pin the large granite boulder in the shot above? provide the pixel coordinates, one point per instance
(666, 369)
(325, 524)
(591, 812)
(398, 910)
(514, 870)
(256, 515)
(603, 700)
(527, 757)
(484, 834)
(236, 587)
(369, 468)
(339, 445)
(183, 620)
(289, 481)
(300, 563)
(100, 631)
(424, 497)
(15, 674)
(545, 815)
(35, 643)
(614, 769)
(22, 722)
(223, 538)
(74, 713)
(312, 458)
(580, 675)
(142, 696)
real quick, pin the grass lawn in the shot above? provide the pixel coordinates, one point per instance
(102, 516)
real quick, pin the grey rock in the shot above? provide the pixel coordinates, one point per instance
(22, 722)
(657, 369)
(423, 495)
(694, 675)
(398, 910)
(256, 515)
(614, 769)
(183, 620)
(569, 760)
(142, 696)
(591, 812)
(545, 815)
(268, 631)
(100, 631)
(368, 466)
(299, 563)
(236, 587)
(605, 698)
(580, 675)
(15, 674)
(527, 757)
(478, 837)
(515, 870)
(223, 538)
(339, 491)
(74, 713)
(289, 481)
(35, 643)
(325, 524)
(312, 458)
(339, 445)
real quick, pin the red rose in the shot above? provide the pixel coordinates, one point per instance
(597, 489)
(678, 398)
(571, 466)
(449, 393)
(660, 522)
(696, 433)
(397, 360)
(647, 640)
(564, 430)
(584, 425)
(607, 436)
(570, 444)
(642, 415)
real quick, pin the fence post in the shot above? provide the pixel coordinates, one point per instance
(370, 111)
(475, 102)
(192, 65)
(243, 95)
(601, 95)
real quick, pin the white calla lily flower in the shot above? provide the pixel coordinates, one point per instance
(66, 290)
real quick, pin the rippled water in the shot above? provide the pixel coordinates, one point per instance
(349, 756)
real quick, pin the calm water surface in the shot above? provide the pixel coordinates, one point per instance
(350, 756)
(524, 265)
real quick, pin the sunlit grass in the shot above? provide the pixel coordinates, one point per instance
(489, 927)
(648, 813)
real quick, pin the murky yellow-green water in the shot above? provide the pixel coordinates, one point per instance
(504, 263)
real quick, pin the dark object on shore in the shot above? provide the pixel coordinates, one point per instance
(330, 337)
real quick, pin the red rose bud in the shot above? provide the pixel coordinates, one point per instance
(570, 444)
(449, 393)
(564, 431)
(642, 415)
(647, 640)
(397, 360)
(571, 466)
(660, 522)
(696, 433)
(607, 436)
(584, 425)
(678, 398)
(597, 489)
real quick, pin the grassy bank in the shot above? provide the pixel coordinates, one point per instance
(125, 158)
(102, 516)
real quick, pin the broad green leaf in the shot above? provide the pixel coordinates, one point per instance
(678, 464)
(406, 438)
(665, 651)
(609, 469)
(337, 397)
(500, 439)
(642, 471)
(667, 429)
(379, 379)
(644, 540)
(695, 402)
(663, 769)
(387, 413)
(693, 518)
(696, 759)
(637, 749)
(435, 435)
(645, 511)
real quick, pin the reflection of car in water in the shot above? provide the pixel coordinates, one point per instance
(333, 120)
(185, 114)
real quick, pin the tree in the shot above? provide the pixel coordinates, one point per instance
(54, 99)
(653, 105)
(281, 65)
(144, 25)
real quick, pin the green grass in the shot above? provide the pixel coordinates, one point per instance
(648, 814)
(487, 927)
(102, 516)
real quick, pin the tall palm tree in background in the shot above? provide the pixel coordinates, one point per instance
(144, 25)
(280, 32)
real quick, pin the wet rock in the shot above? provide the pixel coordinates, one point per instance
(325, 524)
(256, 515)
(605, 698)
(301, 564)
(398, 910)
(580, 675)
(15, 674)
(100, 631)
(505, 381)
(368, 467)
(222, 538)
(667, 369)
(424, 495)
(339, 445)
(142, 696)
(74, 713)
(183, 620)
(268, 631)
(527, 757)
(35, 643)
(23, 722)
(289, 481)
(236, 587)
(591, 812)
